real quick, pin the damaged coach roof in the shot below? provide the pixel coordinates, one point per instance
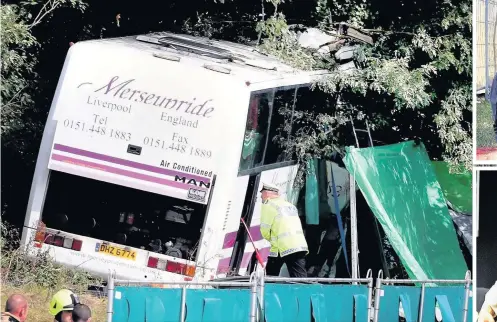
(239, 61)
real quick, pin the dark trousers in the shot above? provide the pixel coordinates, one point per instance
(294, 262)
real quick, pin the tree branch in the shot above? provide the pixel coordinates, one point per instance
(262, 20)
(54, 4)
(10, 102)
(39, 13)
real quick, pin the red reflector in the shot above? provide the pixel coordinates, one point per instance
(77, 244)
(152, 262)
(58, 241)
(174, 267)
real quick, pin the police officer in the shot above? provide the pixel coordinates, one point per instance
(281, 226)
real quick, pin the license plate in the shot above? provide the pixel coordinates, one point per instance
(115, 251)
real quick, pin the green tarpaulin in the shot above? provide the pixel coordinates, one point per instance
(402, 190)
(455, 186)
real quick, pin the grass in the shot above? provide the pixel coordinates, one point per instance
(38, 278)
(485, 136)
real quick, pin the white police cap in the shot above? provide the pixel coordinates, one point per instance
(270, 187)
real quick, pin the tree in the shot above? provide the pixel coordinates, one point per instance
(414, 82)
(23, 109)
(19, 57)
(17, 66)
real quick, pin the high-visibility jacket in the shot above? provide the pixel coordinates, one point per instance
(281, 226)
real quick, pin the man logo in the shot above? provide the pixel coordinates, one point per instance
(193, 182)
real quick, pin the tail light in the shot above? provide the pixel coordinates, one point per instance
(171, 266)
(43, 237)
(177, 268)
(152, 262)
(77, 244)
(58, 241)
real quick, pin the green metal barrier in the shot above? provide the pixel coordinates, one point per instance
(164, 305)
(202, 303)
(421, 302)
(275, 299)
(346, 303)
(319, 299)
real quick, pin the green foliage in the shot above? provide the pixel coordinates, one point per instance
(17, 66)
(273, 28)
(418, 71)
(19, 56)
(283, 44)
(453, 130)
(323, 14)
(390, 76)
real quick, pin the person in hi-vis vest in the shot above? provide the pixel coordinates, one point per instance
(281, 226)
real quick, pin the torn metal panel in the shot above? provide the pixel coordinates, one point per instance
(313, 38)
(346, 53)
(354, 33)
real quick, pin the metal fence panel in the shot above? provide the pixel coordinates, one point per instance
(392, 296)
(136, 303)
(485, 35)
(293, 302)
(218, 305)
(164, 305)
(450, 300)
(303, 300)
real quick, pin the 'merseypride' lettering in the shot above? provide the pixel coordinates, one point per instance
(123, 91)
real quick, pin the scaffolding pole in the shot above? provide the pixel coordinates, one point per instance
(353, 228)
(354, 248)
